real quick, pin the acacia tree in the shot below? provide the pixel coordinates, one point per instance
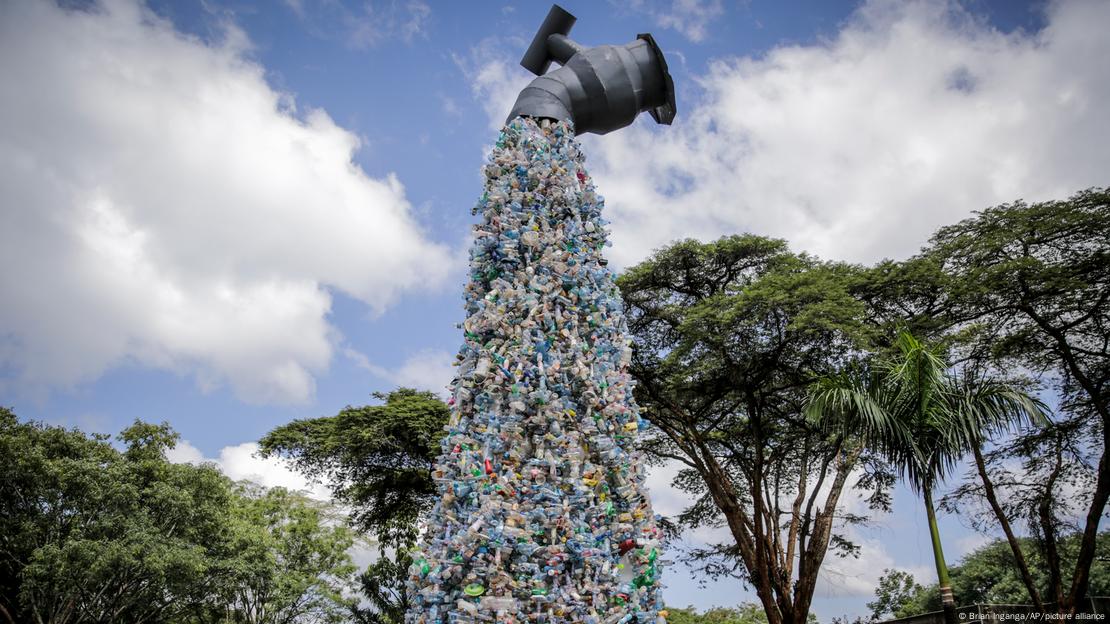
(1027, 287)
(377, 460)
(923, 420)
(727, 335)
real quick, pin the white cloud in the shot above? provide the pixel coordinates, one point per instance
(495, 79)
(185, 453)
(450, 106)
(858, 147)
(690, 18)
(859, 576)
(913, 116)
(666, 499)
(163, 206)
(241, 463)
(427, 369)
(854, 576)
(968, 544)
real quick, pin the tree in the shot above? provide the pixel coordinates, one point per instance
(727, 336)
(745, 613)
(382, 583)
(90, 534)
(377, 460)
(896, 589)
(987, 575)
(922, 419)
(1029, 286)
(1024, 481)
(288, 562)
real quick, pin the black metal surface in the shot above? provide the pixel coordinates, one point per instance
(599, 89)
(537, 58)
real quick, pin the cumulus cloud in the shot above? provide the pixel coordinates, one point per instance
(859, 146)
(163, 206)
(911, 117)
(495, 78)
(969, 543)
(666, 499)
(859, 576)
(185, 453)
(241, 463)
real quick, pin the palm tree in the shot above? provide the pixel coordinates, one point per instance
(922, 419)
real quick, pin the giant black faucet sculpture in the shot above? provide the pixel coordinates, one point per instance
(600, 89)
(542, 514)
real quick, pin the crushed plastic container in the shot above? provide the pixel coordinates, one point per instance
(542, 514)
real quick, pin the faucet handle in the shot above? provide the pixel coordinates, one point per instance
(537, 59)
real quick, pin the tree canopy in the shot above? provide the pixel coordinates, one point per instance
(1025, 291)
(745, 613)
(727, 336)
(377, 460)
(92, 534)
(987, 575)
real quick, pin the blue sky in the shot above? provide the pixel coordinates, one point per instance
(227, 215)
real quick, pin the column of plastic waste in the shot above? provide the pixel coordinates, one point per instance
(542, 515)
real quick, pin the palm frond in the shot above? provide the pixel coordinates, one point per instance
(914, 412)
(990, 408)
(853, 406)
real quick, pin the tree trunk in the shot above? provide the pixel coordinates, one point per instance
(1082, 577)
(727, 500)
(947, 600)
(1049, 534)
(1015, 546)
(814, 554)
